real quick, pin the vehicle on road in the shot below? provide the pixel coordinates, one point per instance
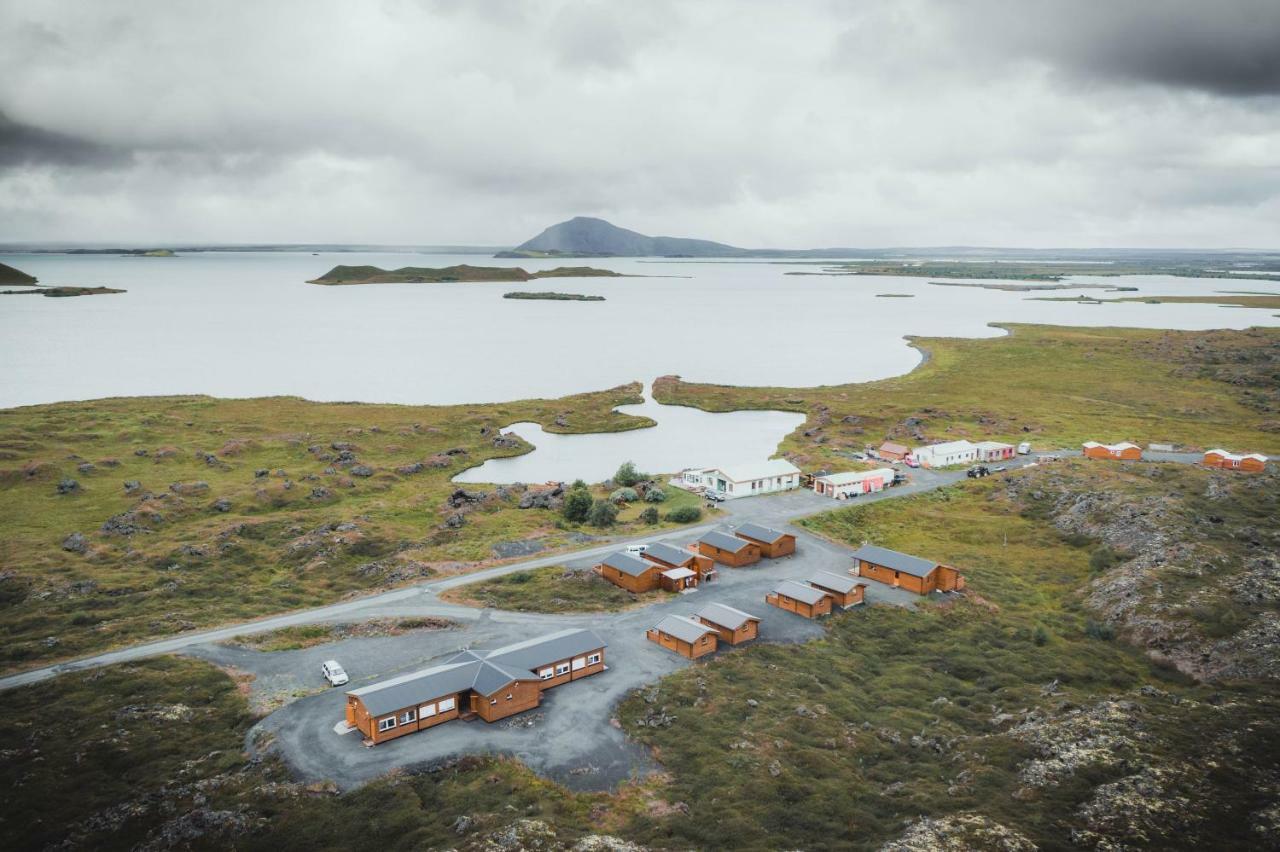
(714, 497)
(899, 479)
(637, 549)
(1024, 448)
(858, 456)
(977, 471)
(334, 673)
(910, 461)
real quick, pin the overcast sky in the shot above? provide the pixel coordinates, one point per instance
(797, 124)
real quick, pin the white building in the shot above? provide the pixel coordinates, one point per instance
(746, 480)
(842, 486)
(989, 451)
(945, 455)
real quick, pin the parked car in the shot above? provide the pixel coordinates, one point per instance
(334, 673)
(858, 456)
(637, 549)
(910, 461)
(714, 496)
(899, 478)
(977, 471)
(1024, 448)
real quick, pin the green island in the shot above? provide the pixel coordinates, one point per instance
(553, 297)
(895, 295)
(1269, 301)
(60, 291)
(1028, 271)
(346, 275)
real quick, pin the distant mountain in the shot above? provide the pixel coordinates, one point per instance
(583, 236)
(9, 275)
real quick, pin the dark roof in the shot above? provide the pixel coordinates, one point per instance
(834, 582)
(913, 565)
(894, 447)
(800, 591)
(724, 541)
(682, 628)
(725, 616)
(484, 671)
(668, 553)
(627, 564)
(760, 533)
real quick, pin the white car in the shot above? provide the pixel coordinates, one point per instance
(637, 549)
(334, 673)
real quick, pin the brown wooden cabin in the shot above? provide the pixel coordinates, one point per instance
(845, 591)
(678, 579)
(893, 451)
(670, 556)
(773, 543)
(729, 549)
(1250, 462)
(900, 570)
(686, 637)
(630, 572)
(1124, 451)
(490, 685)
(733, 626)
(800, 599)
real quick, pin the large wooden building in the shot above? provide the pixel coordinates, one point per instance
(808, 601)
(669, 556)
(1125, 450)
(490, 685)
(845, 591)
(772, 543)
(733, 626)
(728, 549)
(893, 451)
(635, 575)
(685, 636)
(1251, 462)
(901, 570)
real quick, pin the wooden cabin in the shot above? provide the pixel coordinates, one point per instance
(900, 570)
(893, 451)
(800, 599)
(678, 579)
(733, 626)
(629, 572)
(845, 591)
(669, 556)
(1251, 462)
(728, 549)
(686, 637)
(490, 685)
(772, 543)
(1125, 451)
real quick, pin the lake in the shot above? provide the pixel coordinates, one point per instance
(243, 324)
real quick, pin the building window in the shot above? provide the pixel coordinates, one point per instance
(387, 723)
(593, 659)
(706, 640)
(562, 668)
(509, 696)
(408, 716)
(492, 701)
(547, 673)
(580, 663)
(426, 711)
(446, 705)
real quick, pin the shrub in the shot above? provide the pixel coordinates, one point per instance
(1041, 636)
(649, 516)
(1098, 630)
(627, 474)
(684, 514)
(577, 505)
(578, 485)
(1103, 559)
(520, 577)
(603, 514)
(624, 495)
(655, 495)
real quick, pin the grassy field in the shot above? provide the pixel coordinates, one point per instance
(1019, 271)
(551, 589)
(1238, 300)
(219, 510)
(310, 635)
(1054, 387)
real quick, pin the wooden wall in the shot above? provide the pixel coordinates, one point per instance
(784, 546)
(748, 555)
(704, 646)
(646, 582)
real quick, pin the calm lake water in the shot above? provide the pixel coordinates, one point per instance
(246, 324)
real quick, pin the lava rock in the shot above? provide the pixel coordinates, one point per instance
(75, 543)
(67, 485)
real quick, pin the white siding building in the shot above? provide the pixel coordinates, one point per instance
(841, 486)
(746, 480)
(944, 455)
(989, 451)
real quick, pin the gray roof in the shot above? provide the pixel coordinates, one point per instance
(484, 671)
(799, 591)
(668, 553)
(913, 565)
(725, 616)
(683, 628)
(835, 582)
(627, 564)
(760, 532)
(724, 541)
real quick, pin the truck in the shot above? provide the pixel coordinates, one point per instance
(1024, 448)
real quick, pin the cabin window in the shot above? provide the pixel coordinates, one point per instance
(593, 659)
(387, 723)
(408, 716)
(492, 701)
(562, 668)
(895, 575)
(547, 673)
(580, 663)
(509, 696)
(426, 711)
(446, 705)
(706, 640)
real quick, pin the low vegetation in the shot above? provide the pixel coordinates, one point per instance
(63, 292)
(551, 589)
(126, 519)
(341, 275)
(552, 297)
(1054, 387)
(1047, 271)
(309, 635)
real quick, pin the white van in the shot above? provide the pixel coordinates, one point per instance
(1024, 448)
(637, 549)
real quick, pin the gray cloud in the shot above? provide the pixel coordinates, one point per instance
(755, 123)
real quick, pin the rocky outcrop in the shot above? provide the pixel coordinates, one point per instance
(960, 833)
